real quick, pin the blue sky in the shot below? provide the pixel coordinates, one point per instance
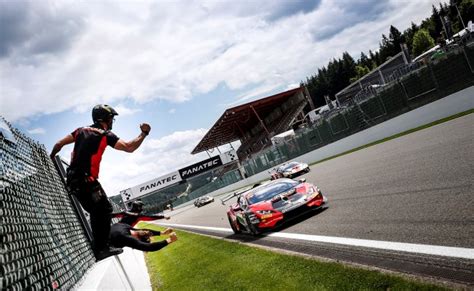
(174, 64)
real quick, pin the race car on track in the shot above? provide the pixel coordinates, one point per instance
(201, 201)
(267, 206)
(290, 170)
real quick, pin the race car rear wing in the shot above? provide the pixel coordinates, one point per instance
(230, 196)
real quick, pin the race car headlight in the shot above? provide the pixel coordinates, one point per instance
(264, 211)
(264, 214)
(313, 192)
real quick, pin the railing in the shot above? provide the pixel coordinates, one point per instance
(409, 87)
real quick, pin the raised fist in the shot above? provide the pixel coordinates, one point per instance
(145, 128)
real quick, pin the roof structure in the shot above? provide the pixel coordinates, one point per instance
(237, 121)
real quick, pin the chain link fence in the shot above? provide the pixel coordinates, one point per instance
(410, 86)
(43, 244)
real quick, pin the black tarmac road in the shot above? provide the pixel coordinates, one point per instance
(416, 189)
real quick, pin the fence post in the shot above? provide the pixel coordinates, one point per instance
(467, 59)
(433, 76)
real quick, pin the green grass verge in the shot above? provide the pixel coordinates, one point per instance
(439, 121)
(197, 262)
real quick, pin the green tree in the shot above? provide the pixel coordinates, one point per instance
(422, 41)
(365, 61)
(409, 33)
(360, 72)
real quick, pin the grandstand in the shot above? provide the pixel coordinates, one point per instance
(256, 122)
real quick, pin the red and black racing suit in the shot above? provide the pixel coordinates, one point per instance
(89, 145)
(120, 236)
(132, 218)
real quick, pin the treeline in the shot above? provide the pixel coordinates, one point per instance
(341, 72)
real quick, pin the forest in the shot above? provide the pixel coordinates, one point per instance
(339, 73)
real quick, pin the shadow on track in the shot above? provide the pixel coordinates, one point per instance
(247, 237)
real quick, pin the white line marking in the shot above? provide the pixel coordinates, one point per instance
(455, 252)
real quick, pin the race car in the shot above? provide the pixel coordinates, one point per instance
(266, 206)
(290, 170)
(201, 201)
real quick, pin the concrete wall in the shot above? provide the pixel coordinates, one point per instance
(126, 271)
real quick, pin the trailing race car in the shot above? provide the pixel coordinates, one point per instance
(201, 201)
(267, 206)
(290, 170)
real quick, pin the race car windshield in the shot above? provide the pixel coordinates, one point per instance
(290, 165)
(270, 191)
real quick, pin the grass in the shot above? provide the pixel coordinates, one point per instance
(197, 262)
(399, 135)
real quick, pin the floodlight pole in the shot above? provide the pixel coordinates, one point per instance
(460, 17)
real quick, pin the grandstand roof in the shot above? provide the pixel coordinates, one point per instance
(235, 121)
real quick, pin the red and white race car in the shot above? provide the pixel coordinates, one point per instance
(267, 206)
(289, 170)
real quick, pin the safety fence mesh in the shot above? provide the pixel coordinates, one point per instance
(43, 244)
(419, 85)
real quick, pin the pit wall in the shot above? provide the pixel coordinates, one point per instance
(43, 243)
(455, 103)
(43, 246)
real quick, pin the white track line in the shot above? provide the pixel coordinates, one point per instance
(455, 252)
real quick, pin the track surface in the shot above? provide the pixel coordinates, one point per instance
(415, 189)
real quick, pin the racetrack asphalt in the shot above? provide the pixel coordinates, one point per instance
(415, 189)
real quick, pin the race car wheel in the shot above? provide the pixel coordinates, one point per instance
(252, 228)
(307, 170)
(234, 229)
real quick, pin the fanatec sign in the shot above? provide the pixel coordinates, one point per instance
(146, 188)
(150, 186)
(200, 167)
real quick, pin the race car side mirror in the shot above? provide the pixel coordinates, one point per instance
(236, 208)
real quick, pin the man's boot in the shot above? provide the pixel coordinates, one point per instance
(107, 252)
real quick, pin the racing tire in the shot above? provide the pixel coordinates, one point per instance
(234, 229)
(252, 228)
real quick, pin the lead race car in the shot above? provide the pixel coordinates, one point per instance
(266, 206)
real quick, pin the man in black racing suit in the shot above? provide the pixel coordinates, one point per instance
(134, 216)
(89, 145)
(124, 235)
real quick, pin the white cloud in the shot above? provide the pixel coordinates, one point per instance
(172, 111)
(155, 157)
(176, 50)
(262, 90)
(124, 52)
(123, 110)
(38, 130)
